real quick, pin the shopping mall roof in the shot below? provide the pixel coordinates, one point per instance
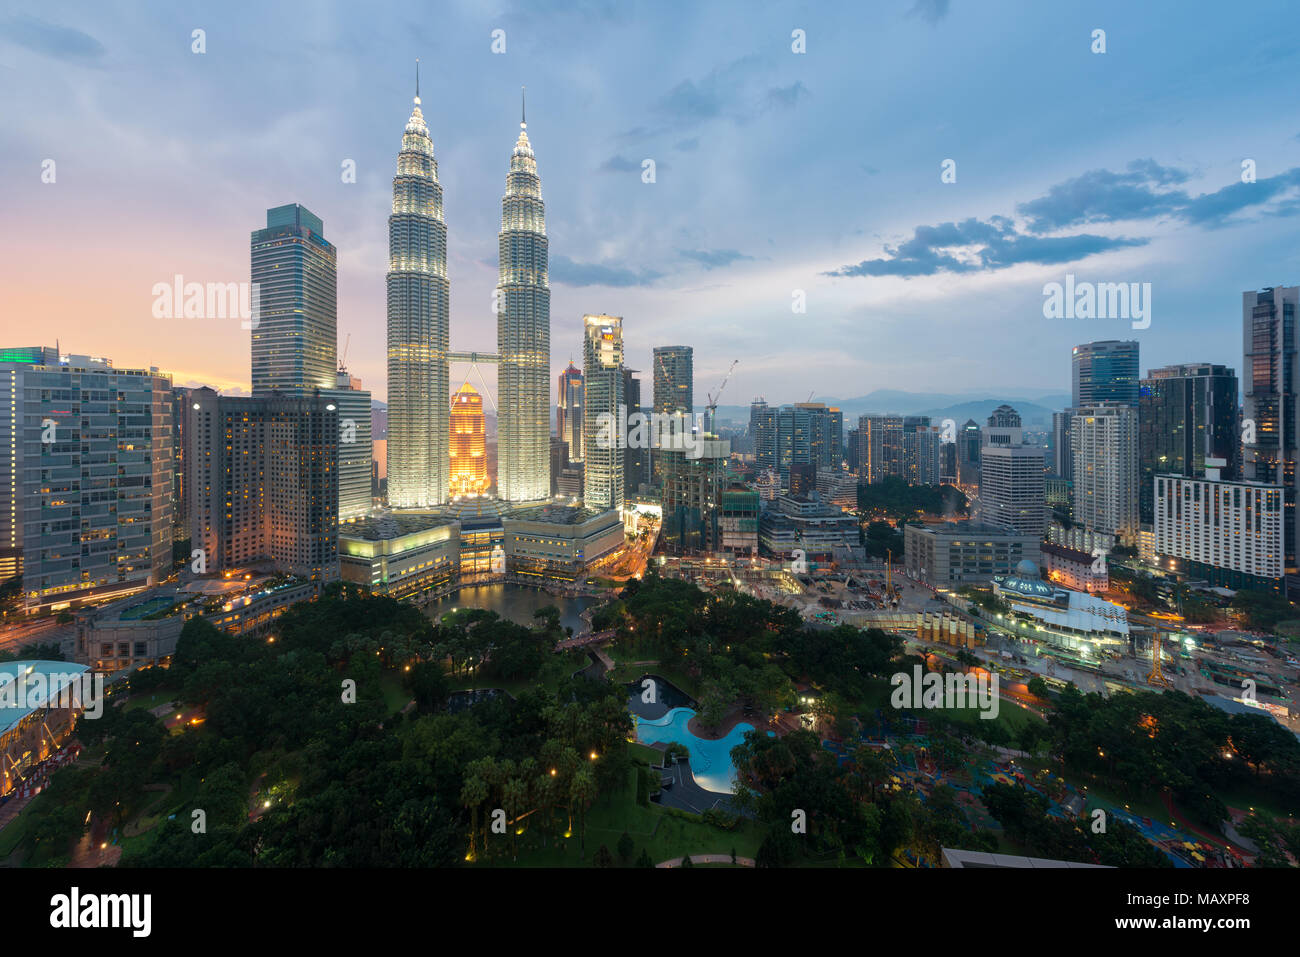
(26, 686)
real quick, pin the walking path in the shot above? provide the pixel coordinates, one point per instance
(708, 859)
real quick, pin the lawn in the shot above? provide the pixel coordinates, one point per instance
(664, 834)
(150, 701)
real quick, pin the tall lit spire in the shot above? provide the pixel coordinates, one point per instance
(523, 330)
(418, 293)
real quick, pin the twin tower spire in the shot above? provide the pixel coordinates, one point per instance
(419, 327)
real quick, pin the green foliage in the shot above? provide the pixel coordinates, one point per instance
(896, 499)
(1261, 609)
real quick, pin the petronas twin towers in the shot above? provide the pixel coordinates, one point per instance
(419, 417)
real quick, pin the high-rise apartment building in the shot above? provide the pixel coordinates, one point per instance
(356, 448)
(568, 411)
(674, 379)
(809, 433)
(1226, 532)
(295, 335)
(418, 325)
(1271, 410)
(602, 372)
(899, 446)
(1105, 448)
(469, 444)
(1003, 428)
(969, 443)
(1105, 371)
(86, 464)
(1186, 414)
(692, 496)
(265, 481)
(762, 429)
(1062, 459)
(523, 333)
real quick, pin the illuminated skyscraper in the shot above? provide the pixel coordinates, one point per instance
(295, 338)
(603, 439)
(523, 305)
(468, 444)
(568, 411)
(418, 293)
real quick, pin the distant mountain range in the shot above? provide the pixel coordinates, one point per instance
(1035, 410)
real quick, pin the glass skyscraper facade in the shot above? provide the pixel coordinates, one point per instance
(602, 357)
(674, 379)
(523, 304)
(295, 334)
(1105, 371)
(1186, 413)
(418, 326)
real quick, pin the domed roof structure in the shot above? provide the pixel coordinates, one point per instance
(1028, 569)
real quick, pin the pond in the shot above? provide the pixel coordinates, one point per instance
(514, 602)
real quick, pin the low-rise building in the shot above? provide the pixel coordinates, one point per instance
(40, 702)
(805, 523)
(560, 542)
(1075, 569)
(401, 556)
(957, 553)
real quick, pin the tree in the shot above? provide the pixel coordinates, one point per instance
(625, 847)
(644, 859)
(583, 791)
(603, 857)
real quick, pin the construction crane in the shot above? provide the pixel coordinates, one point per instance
(713, 399)
(343, 359)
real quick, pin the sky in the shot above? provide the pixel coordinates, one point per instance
(779, 176)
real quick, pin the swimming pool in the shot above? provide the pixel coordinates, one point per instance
(710, 760)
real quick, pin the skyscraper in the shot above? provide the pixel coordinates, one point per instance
(295, 339)
(523, 303)
(86, 467)
(898, 446)
(418, 293)
(1271, 409)
(1105, 371)
(602, 355)
(1062, 458)
(636, 461)
(1012, 489)
(1104, 444)
(1186, 413)
(809, 433)
(674, 379)
(356, 448)
(762, 429)
(568, 411)
(469, 444)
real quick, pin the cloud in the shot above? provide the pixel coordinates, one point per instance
(570, 273)
(713, 258)
(619, 164)
(785, 97)
(1145, 190)
(689, 145)
(931, 11)
(975, 245)
(63, 43)
(723, 92)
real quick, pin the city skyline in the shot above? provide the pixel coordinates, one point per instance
(724, 119)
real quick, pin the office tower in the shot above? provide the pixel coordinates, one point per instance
(762, 429)
(523, 333)
(295, 338)
(1270, 412)
(180, 480)
(418, 292)
(1062, 461)
(1012, 489)
(86, 461)
(636, 461)
(1104, 445)
(899, 446)
(1229, 533)
(602, 438)
(809, 433)
(469, 444)
(674, 381)
(1105, 371)
(1186, 413)
(265, 485)
(356, 448)
(1003, 428)
(692, 496)
(969, 442)
(568, 411)
(803, 479)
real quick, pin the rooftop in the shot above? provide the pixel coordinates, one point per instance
(26, 686)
